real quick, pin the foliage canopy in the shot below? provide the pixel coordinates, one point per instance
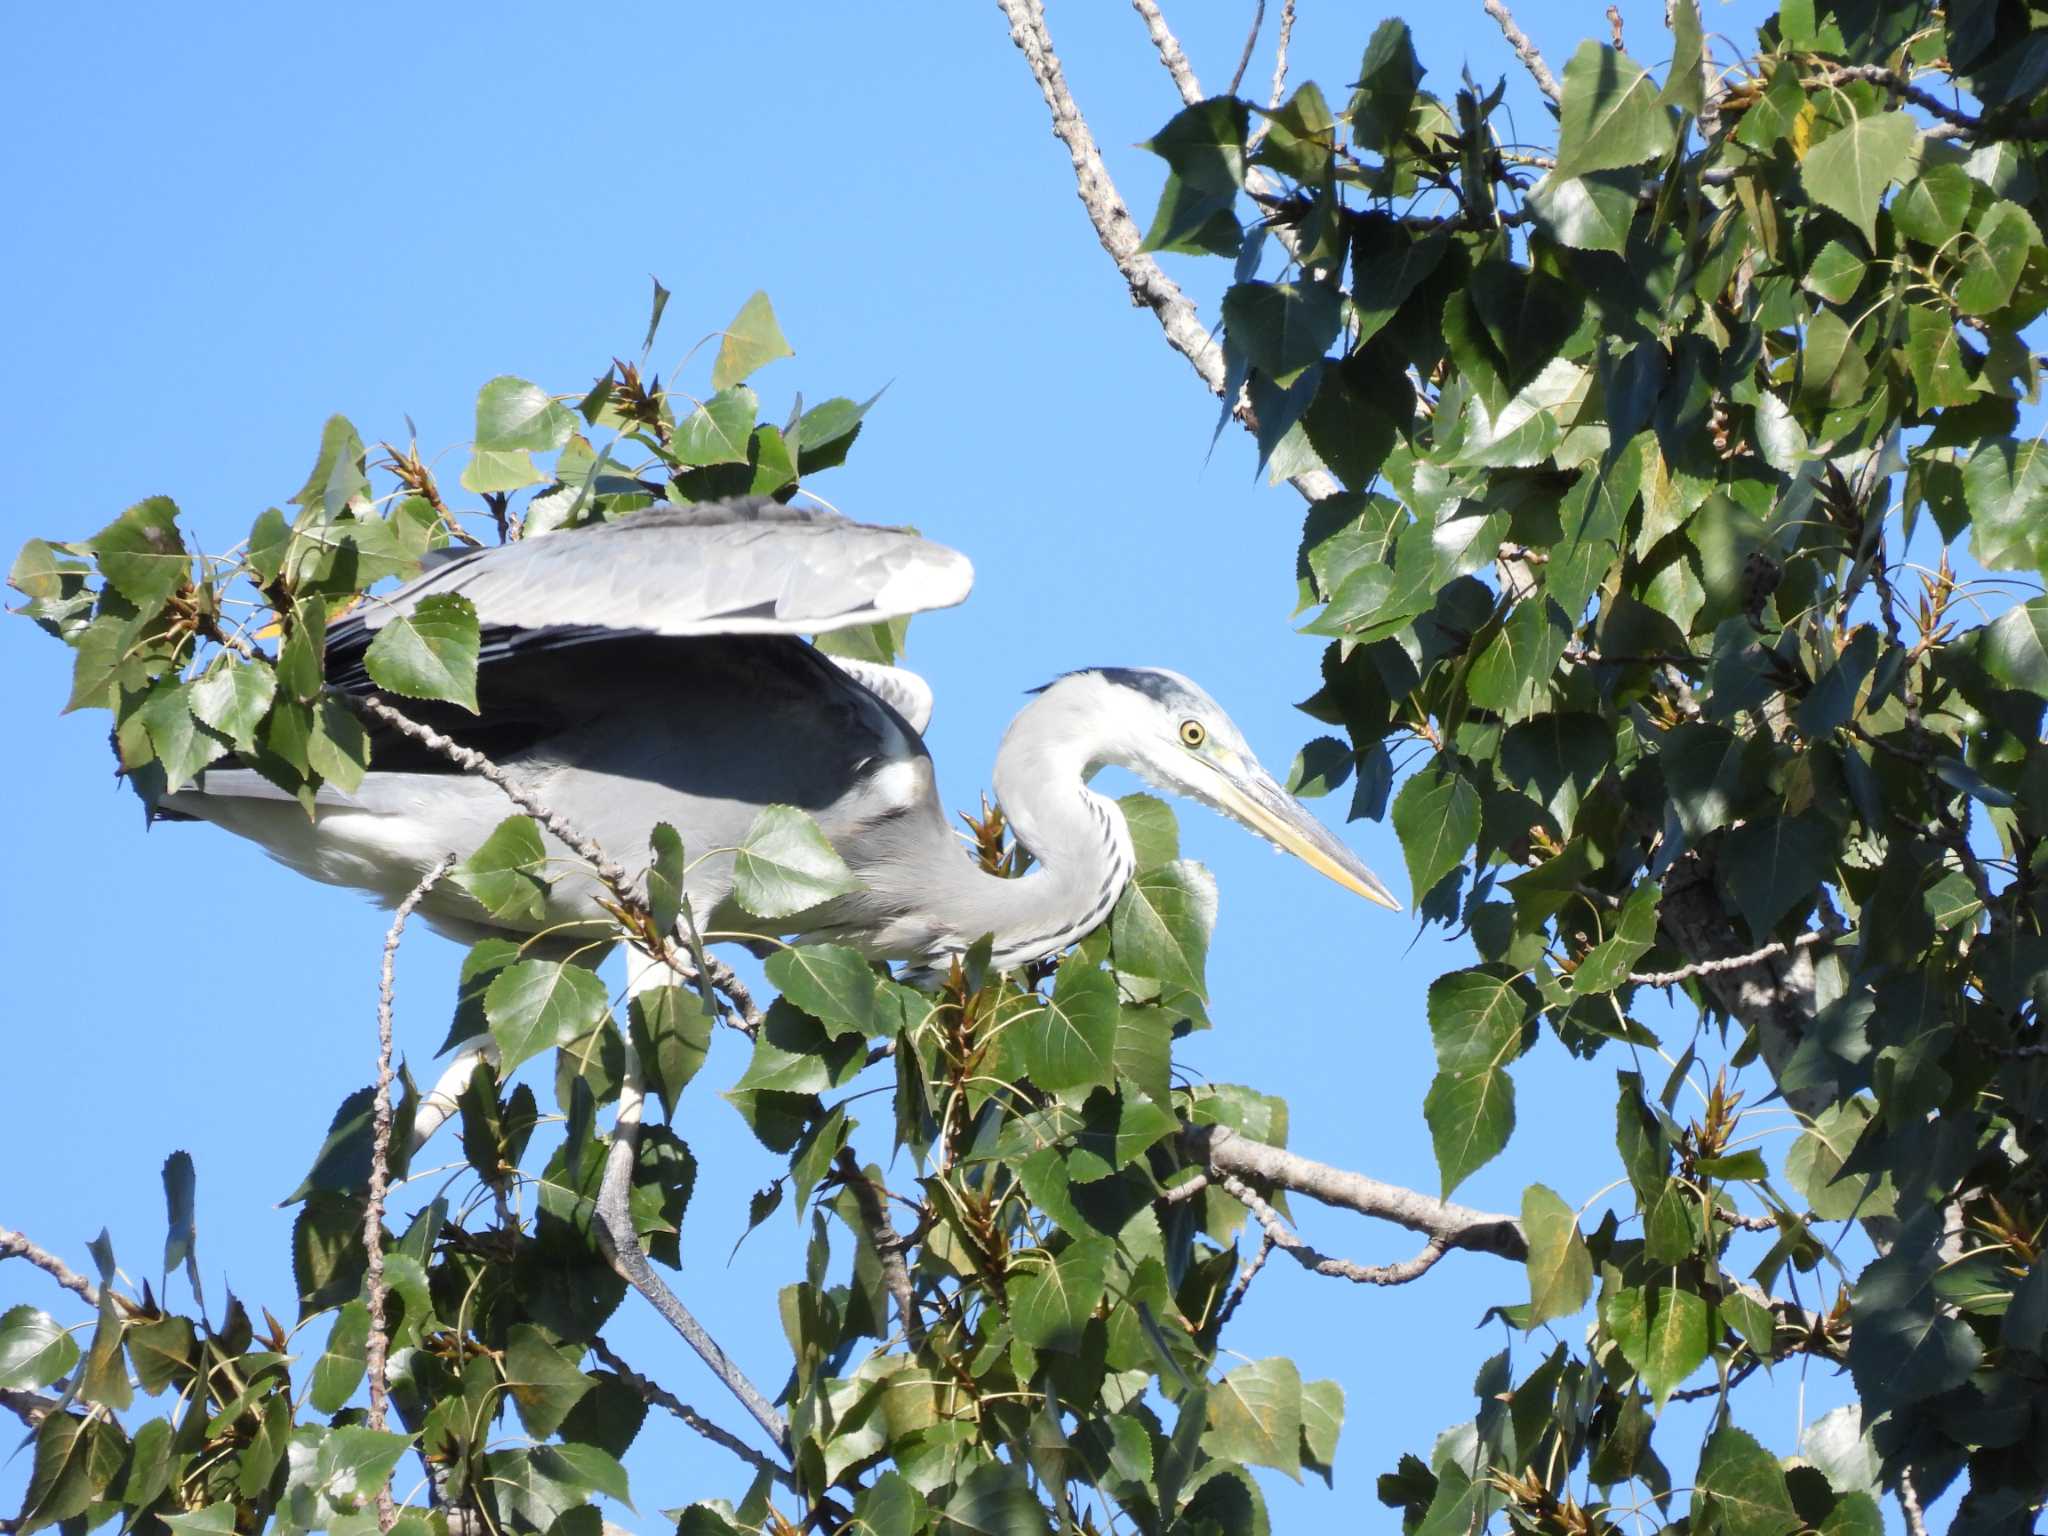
(1620, 449)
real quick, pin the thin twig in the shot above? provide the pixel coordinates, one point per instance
(1733, 962)
(867, 1194)
(378, 1346)
(1526, 51)
(472, 761)
(1321, 1263)
(1279, 56)
(654, 1393)
(1243, 1283)
(1224, 1153)
(14, 1245)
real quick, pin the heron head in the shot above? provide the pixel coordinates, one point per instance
(1172, 734)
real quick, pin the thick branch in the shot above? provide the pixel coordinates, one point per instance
(654, 1393)
(1227, 1155)
(1278, 1236)
(1526, 51)
(14, 1245)
(1770, 991)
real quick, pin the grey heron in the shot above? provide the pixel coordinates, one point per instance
(656, 669)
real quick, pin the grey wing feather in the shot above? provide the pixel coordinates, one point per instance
(748, 567)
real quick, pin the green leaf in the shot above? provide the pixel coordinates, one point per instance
(2005, 485)
(1610, 116)
(1283, 328)
(339, 1370)
(1588, 213)
(1478, 1021)
(665, 875)
(718, 431)
(507, 874)
(752, 341)
(2015, 646)
(545, 1381)
(337, 481)
(496, 471)
(1070, 1041)
(232, 697)
(61, 1481)
(1512, 674)
(512, 414)
(1836, 273)
(1436, 816)
(1904, 1346)
(1204, 144)
(785, 865)
(181, 746)
(1992, 257)
(142, 554)
(1322, 1419)
(992, 1500)
(1662, 1331)
(1932, 205)
(1934, 353)
(1741, 1488)
(1850, 170)
(1254, 1416)
(672, 1033)
(1155, 833)
(1560, 1268)
(1159, 934)
(34, 1350)
(1051, 1299)
(833, 984)
(429, 653)
(1771, 866)
(539, 1004)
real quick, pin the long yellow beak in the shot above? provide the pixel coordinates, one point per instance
(1251, 796)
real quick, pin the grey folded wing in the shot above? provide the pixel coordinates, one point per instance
(751, 566)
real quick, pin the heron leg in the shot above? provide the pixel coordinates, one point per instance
(619, 1241)
(442, 1100)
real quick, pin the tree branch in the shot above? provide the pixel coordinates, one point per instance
(1243, 1282)
(1526, 51)
(1176, 61)
(1279, 56)
(1729, 963)
(1227, 1155)
(1278, 1236)
(377, 1347)
(1115, 228)
(617, 1237)
(1769, 991)
(14, 1245)
(867, 1194)
(654, 1393)
(30, 1407)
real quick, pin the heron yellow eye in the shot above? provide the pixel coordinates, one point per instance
(1192, 733)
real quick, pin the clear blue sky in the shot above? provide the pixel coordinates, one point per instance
(231, 223)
